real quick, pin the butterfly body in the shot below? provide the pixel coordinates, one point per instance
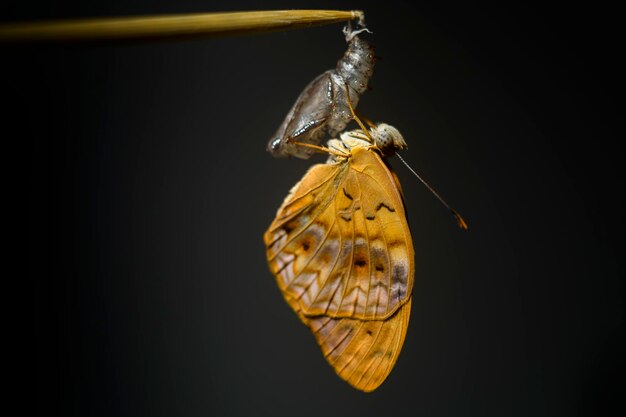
(341, 251)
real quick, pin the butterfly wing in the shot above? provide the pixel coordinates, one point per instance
(341, 251)
(362, 352)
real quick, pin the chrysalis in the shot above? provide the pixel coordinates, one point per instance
(322, 107)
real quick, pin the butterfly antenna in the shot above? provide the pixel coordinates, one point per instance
(459, 220)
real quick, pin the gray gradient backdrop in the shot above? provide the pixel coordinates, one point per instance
(149, 190)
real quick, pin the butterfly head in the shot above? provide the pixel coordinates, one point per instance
(387, 139)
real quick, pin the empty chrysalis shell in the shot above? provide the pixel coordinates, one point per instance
(322, 107)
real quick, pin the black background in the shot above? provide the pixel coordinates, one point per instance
(149, 189)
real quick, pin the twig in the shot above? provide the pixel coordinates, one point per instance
(170, 26)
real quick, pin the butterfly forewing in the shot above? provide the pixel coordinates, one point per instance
(341, 251)
(340, 244)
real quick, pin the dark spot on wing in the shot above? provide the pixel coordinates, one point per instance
(399, 274)
(400, 293)
(398, 286)
(347, 195)
(381, 205)
(288, 228)
(395, 244)
(378, 258)
(360, 262)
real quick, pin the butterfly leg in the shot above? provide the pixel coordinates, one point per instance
(355, 117)
(322, 149)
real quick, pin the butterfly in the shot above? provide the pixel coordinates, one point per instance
(341, 250)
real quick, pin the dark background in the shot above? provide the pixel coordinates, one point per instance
(149, 189)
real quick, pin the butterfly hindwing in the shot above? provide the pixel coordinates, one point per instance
(362, 352)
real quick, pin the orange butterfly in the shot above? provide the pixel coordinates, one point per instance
(341, 250)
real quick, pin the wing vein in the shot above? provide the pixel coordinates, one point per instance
(308, 262)
(388, 270)
(331, 272)
(344, 337)
(380, 362)
(349, 274)
(369, 254)
(356, 332)
(372, 344)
